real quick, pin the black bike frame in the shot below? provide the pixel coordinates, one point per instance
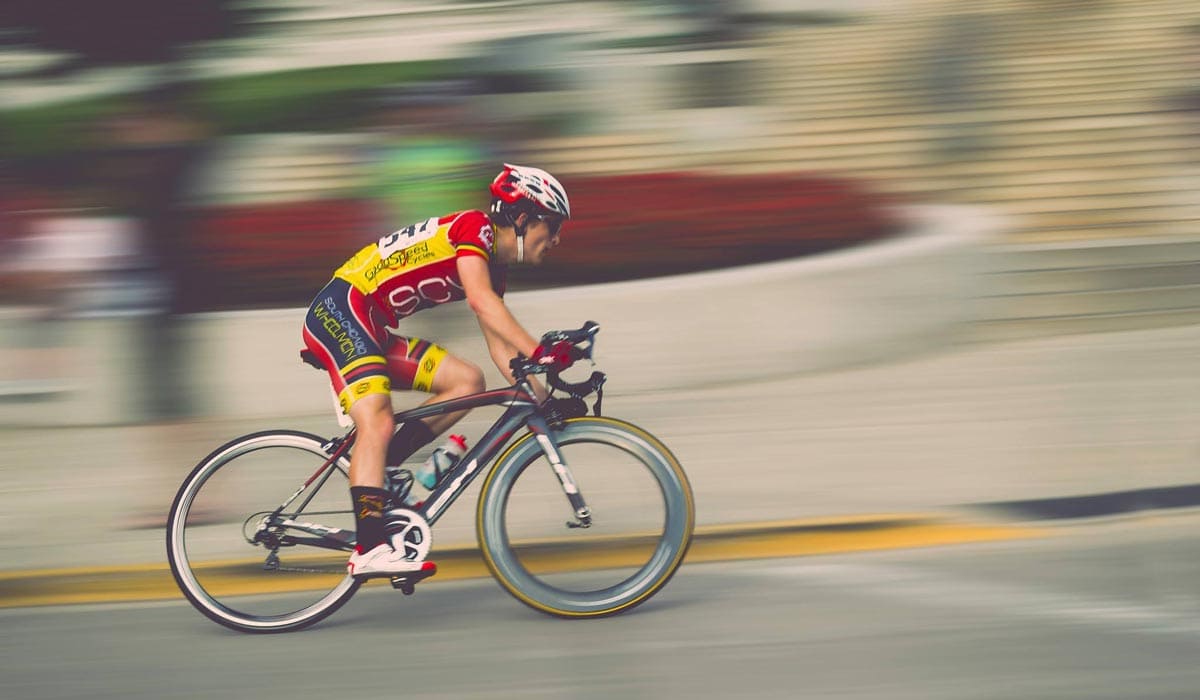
(521, 411)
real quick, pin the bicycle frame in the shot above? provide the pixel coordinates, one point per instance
(522, 411)
(511, 449)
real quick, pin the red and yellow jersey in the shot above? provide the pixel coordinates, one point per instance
(416, 267)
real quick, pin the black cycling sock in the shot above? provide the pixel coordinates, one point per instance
(409, 438)
(368, 515)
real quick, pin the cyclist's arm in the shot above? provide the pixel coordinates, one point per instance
(504, 335)
(501, 353)
(499, 350)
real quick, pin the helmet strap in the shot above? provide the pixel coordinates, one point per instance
(520, 231)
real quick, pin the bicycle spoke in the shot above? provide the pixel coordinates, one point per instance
(249, 568)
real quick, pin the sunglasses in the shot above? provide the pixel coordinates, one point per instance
(555, 223)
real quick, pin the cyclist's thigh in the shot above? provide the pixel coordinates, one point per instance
(342, 329)
(419, 364)
(458, 376)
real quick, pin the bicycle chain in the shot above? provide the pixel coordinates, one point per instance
(297, 570)
(293, 569)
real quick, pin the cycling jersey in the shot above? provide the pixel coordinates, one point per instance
(350, 328)
(416, 267)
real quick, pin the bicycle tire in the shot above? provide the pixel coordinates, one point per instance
(525, 569)
(206, 567)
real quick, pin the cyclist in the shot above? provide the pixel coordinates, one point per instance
(352, 330)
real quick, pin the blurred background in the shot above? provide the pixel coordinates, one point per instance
(160, 161)
(881, 255)
(177, 180)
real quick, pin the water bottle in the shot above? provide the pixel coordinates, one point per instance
(398, 481)
(430, 473)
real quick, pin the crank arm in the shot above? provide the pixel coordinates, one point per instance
(341, 539)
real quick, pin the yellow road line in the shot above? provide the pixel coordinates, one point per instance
(712, 543)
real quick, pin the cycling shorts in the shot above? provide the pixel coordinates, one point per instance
(347, 333)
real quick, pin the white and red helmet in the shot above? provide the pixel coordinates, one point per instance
(523, 189)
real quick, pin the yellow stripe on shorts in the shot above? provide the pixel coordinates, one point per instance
(366, 359)
(374, 384)
(430, 361)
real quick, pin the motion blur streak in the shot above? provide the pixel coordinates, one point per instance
(851, 258)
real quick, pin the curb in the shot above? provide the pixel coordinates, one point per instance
(1097, 505)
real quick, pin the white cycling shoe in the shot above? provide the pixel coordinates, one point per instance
(385, 561)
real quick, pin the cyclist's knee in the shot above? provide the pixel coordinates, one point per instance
(373, 416)
(471, 380)
(458, 377)
(474, 382)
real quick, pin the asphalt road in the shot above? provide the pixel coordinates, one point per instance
(1051, 417)
(1108, 609)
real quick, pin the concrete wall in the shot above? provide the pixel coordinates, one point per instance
(904, 295)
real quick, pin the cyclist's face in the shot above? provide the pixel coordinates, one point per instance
(541, 235)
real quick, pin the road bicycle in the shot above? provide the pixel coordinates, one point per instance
(259, 532)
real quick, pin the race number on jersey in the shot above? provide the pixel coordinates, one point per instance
(407, 236)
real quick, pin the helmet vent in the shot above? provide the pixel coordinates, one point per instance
(521, 187)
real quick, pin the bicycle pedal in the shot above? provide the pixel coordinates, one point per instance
(405, 583)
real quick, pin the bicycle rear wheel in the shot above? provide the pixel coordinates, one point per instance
(642, 520)
(252, 545)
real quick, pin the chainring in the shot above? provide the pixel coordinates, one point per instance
(406, 528)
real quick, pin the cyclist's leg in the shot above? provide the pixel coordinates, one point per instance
(344, 333)
(423, 366)
(455, 378)
(372, 416)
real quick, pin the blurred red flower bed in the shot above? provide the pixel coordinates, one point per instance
(625, 227)
(271, 255)
(637, 226)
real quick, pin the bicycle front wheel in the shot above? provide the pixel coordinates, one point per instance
(642, 517)
(255, 542)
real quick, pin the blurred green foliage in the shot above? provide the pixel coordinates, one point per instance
(318, 99)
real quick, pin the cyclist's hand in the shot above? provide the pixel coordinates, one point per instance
(557, 355)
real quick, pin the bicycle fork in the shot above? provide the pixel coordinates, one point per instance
(579, 507)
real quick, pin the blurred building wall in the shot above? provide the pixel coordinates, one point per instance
(883, 301)
(1072, 121)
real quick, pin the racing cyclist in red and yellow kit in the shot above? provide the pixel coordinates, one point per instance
(444, 259)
